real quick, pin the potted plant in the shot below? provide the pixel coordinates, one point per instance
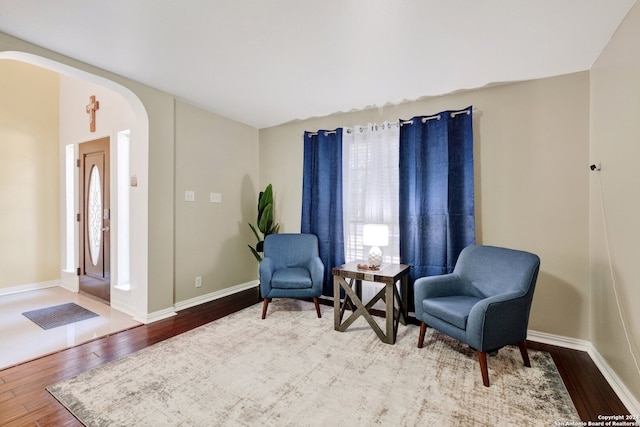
(265, 221)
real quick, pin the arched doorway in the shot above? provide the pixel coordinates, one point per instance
(130, 142)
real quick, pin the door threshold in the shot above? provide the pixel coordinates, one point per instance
(94, 297)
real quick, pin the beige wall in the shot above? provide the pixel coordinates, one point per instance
(531, 156)
(213, 155)
(615, 142)
(29, 214)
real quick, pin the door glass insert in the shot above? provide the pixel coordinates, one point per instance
(94, 209)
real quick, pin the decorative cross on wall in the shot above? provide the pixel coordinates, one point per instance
(91, 109)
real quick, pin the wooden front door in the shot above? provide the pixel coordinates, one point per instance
(95, 219)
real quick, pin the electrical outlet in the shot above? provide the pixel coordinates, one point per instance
(198, 281)
(189, 196)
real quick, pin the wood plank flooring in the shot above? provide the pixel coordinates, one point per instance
(25, 402)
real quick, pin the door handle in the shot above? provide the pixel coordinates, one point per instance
(106, 228)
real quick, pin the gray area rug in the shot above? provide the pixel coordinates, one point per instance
(293, 369)
(58, 315)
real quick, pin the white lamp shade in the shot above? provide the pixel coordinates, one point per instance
(375, 235)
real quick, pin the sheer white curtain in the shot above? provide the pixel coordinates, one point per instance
(370, 168)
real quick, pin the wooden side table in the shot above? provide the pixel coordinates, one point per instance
(389, 274)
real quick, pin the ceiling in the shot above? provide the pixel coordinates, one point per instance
(268, 62)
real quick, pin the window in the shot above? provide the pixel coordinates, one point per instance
(370, 159)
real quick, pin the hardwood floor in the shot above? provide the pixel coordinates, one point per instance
(591, 393)
(25, 402)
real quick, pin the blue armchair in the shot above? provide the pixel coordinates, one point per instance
(291, 268)
(484, 303)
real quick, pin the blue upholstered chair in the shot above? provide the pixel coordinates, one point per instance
(291, 268)
(484, 303)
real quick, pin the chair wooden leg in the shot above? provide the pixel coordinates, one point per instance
(482, 358)
(423, 330)
(264, 307)
(525, 354)
(315, 301)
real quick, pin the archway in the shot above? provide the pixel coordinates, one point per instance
(130, 290)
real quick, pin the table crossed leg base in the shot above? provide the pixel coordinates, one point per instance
(389, 294)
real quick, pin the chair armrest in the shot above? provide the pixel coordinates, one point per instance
(498, 321)
(267, 267)
(316, 269)
(435, 286)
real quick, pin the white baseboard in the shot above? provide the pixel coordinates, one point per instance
(215, 295)
(155, 316)
(560, 341)
(169, 312)
(627, 398)
(624, 394)
(29, 287)
(128, 309)
(70, 280)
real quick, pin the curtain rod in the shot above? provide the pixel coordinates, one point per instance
(406, 122)
(327, 132)
(438, 116)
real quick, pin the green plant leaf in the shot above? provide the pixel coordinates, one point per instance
(265, 199)
(259, 211)
(255, 253)
(255, 232)
(274, 229)
(266, 219)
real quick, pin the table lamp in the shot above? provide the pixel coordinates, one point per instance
(375, 235)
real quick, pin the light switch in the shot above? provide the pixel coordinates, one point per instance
(189, 196)
(215, 197)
